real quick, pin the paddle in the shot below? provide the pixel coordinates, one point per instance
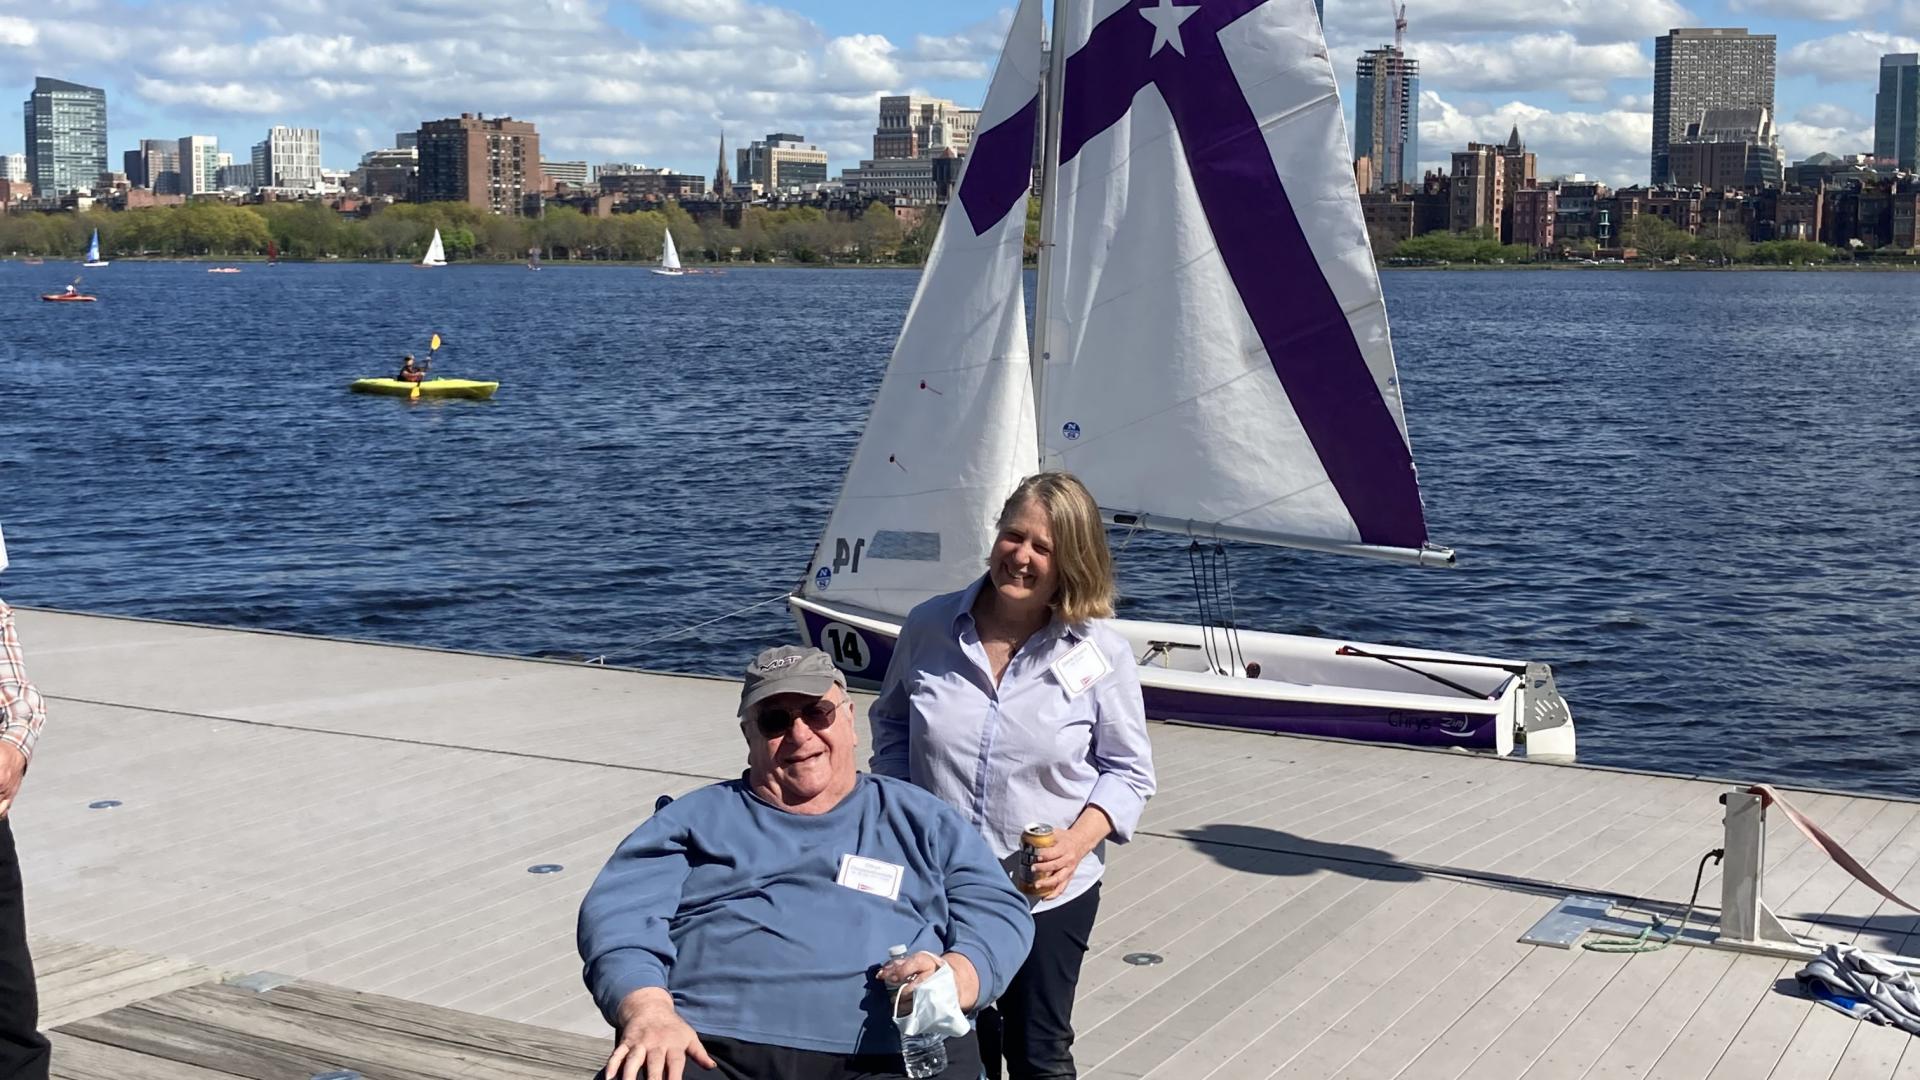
(433, 346)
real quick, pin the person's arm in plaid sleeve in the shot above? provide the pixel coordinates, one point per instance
(22, 712)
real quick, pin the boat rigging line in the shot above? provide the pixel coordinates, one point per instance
(1348, 650)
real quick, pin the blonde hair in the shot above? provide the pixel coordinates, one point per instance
(1079, 543)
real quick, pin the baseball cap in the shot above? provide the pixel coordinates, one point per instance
(788, 669)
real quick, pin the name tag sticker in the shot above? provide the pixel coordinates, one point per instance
(1081, 667)
(862, 874)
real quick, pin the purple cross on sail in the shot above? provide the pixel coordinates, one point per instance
(1217, 347)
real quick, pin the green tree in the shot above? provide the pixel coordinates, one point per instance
(878, 233)
(1721, 244)
(1792, 253)
(1655, 237)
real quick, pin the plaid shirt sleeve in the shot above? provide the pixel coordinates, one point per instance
(22, 711)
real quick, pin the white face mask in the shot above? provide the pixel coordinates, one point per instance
(936, 1007)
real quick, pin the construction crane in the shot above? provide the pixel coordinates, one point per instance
(1395, 129)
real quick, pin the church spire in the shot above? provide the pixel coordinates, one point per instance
(722, 185)
(1513, 139)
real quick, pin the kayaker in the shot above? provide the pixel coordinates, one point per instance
(71, 290)
(411, 371)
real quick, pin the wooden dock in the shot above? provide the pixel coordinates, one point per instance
(364, 817)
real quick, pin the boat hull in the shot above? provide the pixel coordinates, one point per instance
(96, 265)
(62, 298)
(432, 388)
(671, 273)
(1306, 686)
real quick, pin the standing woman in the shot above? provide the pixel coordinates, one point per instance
(1016, 702)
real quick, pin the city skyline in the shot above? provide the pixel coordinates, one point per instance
(656, 81)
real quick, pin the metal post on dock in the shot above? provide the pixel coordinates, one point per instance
(1747, 924)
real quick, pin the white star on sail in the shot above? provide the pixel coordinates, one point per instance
(1166, 20)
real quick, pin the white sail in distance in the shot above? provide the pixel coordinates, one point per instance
(436, 253)
(952, 427)
(1216, 339)
(669, 255)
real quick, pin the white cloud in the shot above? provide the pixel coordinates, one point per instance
(1611, 144)
(1531, 62)
(1800, 140)
(1850, 57)
(639, 80)
(1833, 116)
(1594, 21)
(17, 32)
(1816, 10)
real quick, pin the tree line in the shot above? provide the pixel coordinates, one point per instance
(1652, 237)
(312, 230)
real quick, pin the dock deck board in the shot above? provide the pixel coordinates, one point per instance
(362, 818)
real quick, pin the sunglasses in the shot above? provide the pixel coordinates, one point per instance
(774, 722)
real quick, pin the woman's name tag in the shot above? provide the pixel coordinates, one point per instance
(1081, 667)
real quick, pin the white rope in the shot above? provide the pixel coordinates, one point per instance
(602, 658)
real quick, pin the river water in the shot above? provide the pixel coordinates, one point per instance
(1690, 492)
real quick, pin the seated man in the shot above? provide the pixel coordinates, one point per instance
(736, 934)
(410, 371)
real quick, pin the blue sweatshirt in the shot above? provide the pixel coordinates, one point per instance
(731, 904)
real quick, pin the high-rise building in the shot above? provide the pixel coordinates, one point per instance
(288, 158)
(493, 164)
(575, 174)
(387, 173)
(199, 164)
(13, 168)
(1896, 112)
(237, 177)
(1728, 148)
(1699, 69)
(155, 166)
(1386, 120)
(1517, 173)
(912, 126)
(66, 136)
(1478, 188)
(782, 161)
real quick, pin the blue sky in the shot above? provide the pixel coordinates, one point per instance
(656, 81)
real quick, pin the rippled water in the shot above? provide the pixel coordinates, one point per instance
(1694, 494)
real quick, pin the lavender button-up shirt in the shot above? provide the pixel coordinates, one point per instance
(1021, 752)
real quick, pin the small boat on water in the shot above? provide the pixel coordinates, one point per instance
(223, 270)
(68, 298)
(273, 253)
(1209, 355)
(436, 253)
(669, 259)
(93, 251)
(433, 388)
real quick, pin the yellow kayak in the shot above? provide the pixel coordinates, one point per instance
(460, 388)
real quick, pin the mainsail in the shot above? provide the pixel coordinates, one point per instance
(952, 427)
(1217, 351)
(669, 255)
(436, 252)
(93, 248)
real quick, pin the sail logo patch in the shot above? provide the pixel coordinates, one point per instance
(1071, 430)
(823, 578)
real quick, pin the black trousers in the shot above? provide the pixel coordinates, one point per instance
(1031, 1026)
(756, 1061)
(24, 1053)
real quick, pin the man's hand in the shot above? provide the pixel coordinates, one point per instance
(654, 1042)
(913, 967)
(13, 766)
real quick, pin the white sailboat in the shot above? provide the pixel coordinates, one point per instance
(669, 258)
(1211, 355)
(93, 258)
(436, 252)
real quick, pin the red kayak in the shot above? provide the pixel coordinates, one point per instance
(68, 298)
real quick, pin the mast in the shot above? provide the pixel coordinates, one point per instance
(1052, 98)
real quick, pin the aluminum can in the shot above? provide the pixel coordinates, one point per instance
(1032, 839)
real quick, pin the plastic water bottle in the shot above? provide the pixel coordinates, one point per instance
(924, 1055)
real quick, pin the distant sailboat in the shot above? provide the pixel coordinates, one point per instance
(533, 258)
(93, 251)
(273, 253)
(669, 259)
(436, 253)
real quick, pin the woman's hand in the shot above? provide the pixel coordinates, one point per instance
(1053, 867)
